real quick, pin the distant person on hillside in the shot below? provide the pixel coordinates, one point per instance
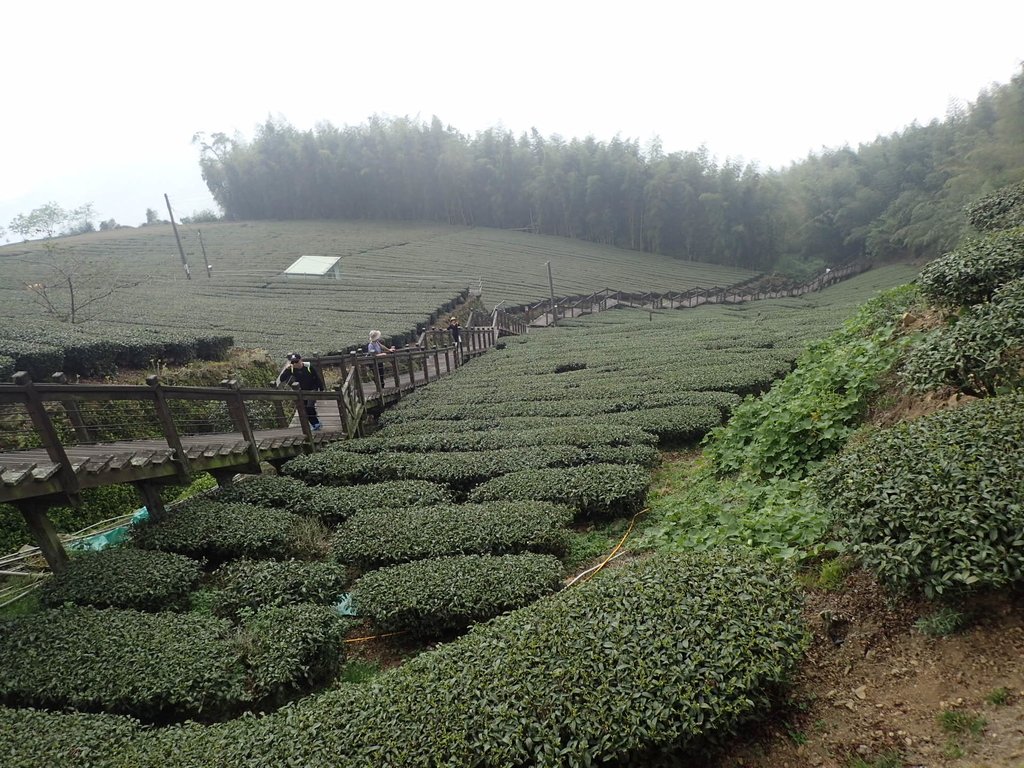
(375, 347)
(455, 330)
(309, 379)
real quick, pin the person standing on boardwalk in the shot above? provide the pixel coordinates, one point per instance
(309, 380)
(375, 347)
(455, 330)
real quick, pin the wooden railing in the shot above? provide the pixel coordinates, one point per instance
(546, 312)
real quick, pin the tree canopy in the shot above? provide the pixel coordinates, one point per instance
(902, 195)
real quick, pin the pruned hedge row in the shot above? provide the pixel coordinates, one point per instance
(7, 368)
(937, 503)
(376, 538)
(248, 585)
(580, 408)
(595, 490)
(460, 470)
(219, 531)
(1002, 209)
(43, 350)
(162, 667)
(973, 272)
(124, 577)
(692, 648)
(982, 353)
(332, 504)
(429, 598)
(580, 435)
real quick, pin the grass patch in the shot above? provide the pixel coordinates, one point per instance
(942, 623)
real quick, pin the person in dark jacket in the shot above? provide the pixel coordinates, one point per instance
(309, 380)
(455, 330)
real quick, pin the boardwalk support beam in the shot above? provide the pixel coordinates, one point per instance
(45, 535)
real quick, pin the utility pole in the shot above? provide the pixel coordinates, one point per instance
(551, 288)
(209, 267)
(184, 261)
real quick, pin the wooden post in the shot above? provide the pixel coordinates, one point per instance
(48, 435)
(240, 418)
(45, 535)
(398, 375)
(150, 495)
(437, 364)
(73, 411)
(358, 378)
(426, 368)
(163, 413)
(339, 388)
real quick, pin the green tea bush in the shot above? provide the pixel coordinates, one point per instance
(124, 577)
(595, 490)
(972, 273)
(291, 648)
(982, 353)
(333, 504)
(459, 470)
(247, 585)
(217, 531)
(445, 594)
(937, 503)
(690, 649)
(157, 667)
(164, 667)
(1002, 209)
(674, 425)
(374, 538)
(583, 435)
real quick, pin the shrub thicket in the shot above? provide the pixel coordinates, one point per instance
(972, 273)
(1003, 209)
(982, 353)
(936, 503)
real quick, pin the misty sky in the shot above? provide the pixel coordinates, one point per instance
(101, 99)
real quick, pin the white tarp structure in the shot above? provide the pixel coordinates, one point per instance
(315, 266)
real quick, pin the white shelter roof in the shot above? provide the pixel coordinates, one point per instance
(313, 265)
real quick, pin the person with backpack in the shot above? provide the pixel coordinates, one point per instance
(309, 380)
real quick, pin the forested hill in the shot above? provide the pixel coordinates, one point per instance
(900, 196)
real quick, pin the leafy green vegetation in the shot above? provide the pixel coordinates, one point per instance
(936, 503)
(942, 622)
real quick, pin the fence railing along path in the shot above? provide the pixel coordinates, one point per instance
(58, 439)
(541, 314)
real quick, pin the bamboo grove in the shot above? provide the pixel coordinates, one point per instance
(899, 196)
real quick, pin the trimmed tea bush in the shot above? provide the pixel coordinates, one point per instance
(163, 667)
(330, 504)
(217, 531)
(460, 470)
(937, 503)
(445, 594)
(374, 538)
(253, 584)
(684, 650)
(595, 490)
(291, 648)
(153, 666)
(124, 577)
(584, 435)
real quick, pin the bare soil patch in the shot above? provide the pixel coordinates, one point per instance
(873, 689)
